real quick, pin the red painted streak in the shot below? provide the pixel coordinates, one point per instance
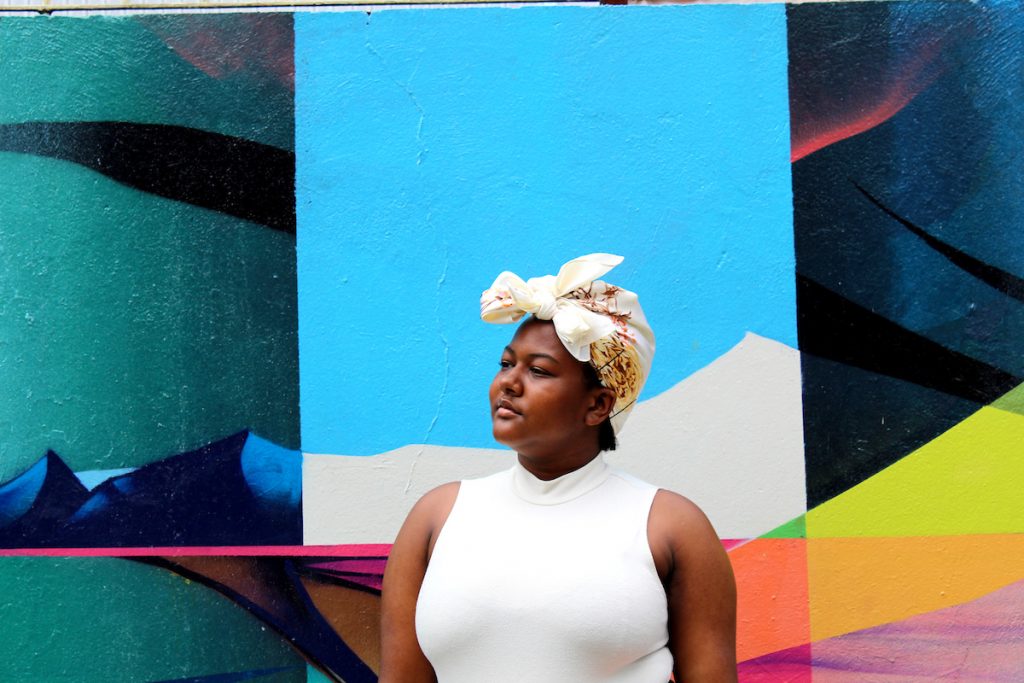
(224, 46)
(880, 114)
(915, 77)
(361, 550)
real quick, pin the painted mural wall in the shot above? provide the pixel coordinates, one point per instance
(241, 259)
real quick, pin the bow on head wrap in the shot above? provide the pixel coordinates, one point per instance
(596, 322)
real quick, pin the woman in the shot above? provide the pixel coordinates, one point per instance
(561, 569)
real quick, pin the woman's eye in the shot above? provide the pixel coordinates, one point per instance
(505, 364)
(539, 371)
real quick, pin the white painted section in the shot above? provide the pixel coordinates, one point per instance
(364, 499)
(730, 437)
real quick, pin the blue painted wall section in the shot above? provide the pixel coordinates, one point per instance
(437, 148)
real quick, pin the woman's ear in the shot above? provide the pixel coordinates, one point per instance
(602, 402)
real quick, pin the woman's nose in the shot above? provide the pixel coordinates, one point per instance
(511, 381)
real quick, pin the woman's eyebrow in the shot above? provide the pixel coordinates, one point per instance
(533, 356)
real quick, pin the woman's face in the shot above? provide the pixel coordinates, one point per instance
(541, 405)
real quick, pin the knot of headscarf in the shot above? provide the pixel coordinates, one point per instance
(596, 322)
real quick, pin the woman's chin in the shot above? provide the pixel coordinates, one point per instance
(506, 434)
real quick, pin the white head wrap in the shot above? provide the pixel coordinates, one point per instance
(596, 322)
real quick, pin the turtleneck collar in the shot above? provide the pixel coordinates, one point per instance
(562, 489)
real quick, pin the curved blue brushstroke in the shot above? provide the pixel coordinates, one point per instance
(35, 504)
(241, 490)
(273, 473)
(17, 495)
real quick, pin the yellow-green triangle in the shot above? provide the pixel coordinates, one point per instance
(1012, 401)
(966, 481)
(794, 528)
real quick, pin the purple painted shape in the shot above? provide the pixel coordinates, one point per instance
(364, 571)
(785, 666)
(358, 565)
(981, 640)
(375, 583)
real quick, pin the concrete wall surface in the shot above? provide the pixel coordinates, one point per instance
(240, 261)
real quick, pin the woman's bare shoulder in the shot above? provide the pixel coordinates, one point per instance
(440, 497)
(432, 509)
(676, 507)
(679, 522)
(428, 515)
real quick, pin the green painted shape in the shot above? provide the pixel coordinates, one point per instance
(120, 69)
(1012, 401)
(133, 327)
(109, 620)
(794, 528)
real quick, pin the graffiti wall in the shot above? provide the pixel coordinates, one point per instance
(241, 260)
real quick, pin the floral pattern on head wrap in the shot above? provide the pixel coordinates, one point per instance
(597, 322)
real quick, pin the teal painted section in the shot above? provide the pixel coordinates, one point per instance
(315, 676)
(133, 326)
(107, 620)
(126, 69)
(438, 148)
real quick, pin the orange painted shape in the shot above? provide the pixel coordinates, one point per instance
(857, 583)
(771, 583)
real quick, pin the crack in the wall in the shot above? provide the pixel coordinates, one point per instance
(446, 349)
(404, 87)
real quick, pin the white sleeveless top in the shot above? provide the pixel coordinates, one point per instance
(535, 581)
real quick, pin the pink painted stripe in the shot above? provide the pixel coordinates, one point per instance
(353, 565)
(361, 550)
(353, 550)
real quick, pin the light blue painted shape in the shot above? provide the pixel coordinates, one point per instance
(17, 495)
(314, 675)
(273, 473)
(92, 478)
(436, 148)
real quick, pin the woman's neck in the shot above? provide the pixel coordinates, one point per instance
(548, 468)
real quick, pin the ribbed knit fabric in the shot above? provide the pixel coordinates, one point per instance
(536, 581)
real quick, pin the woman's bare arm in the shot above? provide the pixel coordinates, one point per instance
(701, 591)
(402, 660)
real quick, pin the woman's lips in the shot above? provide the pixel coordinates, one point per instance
(504, 409)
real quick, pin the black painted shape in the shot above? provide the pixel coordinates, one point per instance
(232, 175)
(199, 498)
(831, 326)
(60, 494)
(285, 605)
(1005, 282)
(857, 423)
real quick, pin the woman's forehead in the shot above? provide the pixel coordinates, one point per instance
(538, 336)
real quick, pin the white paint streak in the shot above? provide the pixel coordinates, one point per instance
(730, 437)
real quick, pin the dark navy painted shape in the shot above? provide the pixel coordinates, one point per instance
(232, 175)
(35, 503)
